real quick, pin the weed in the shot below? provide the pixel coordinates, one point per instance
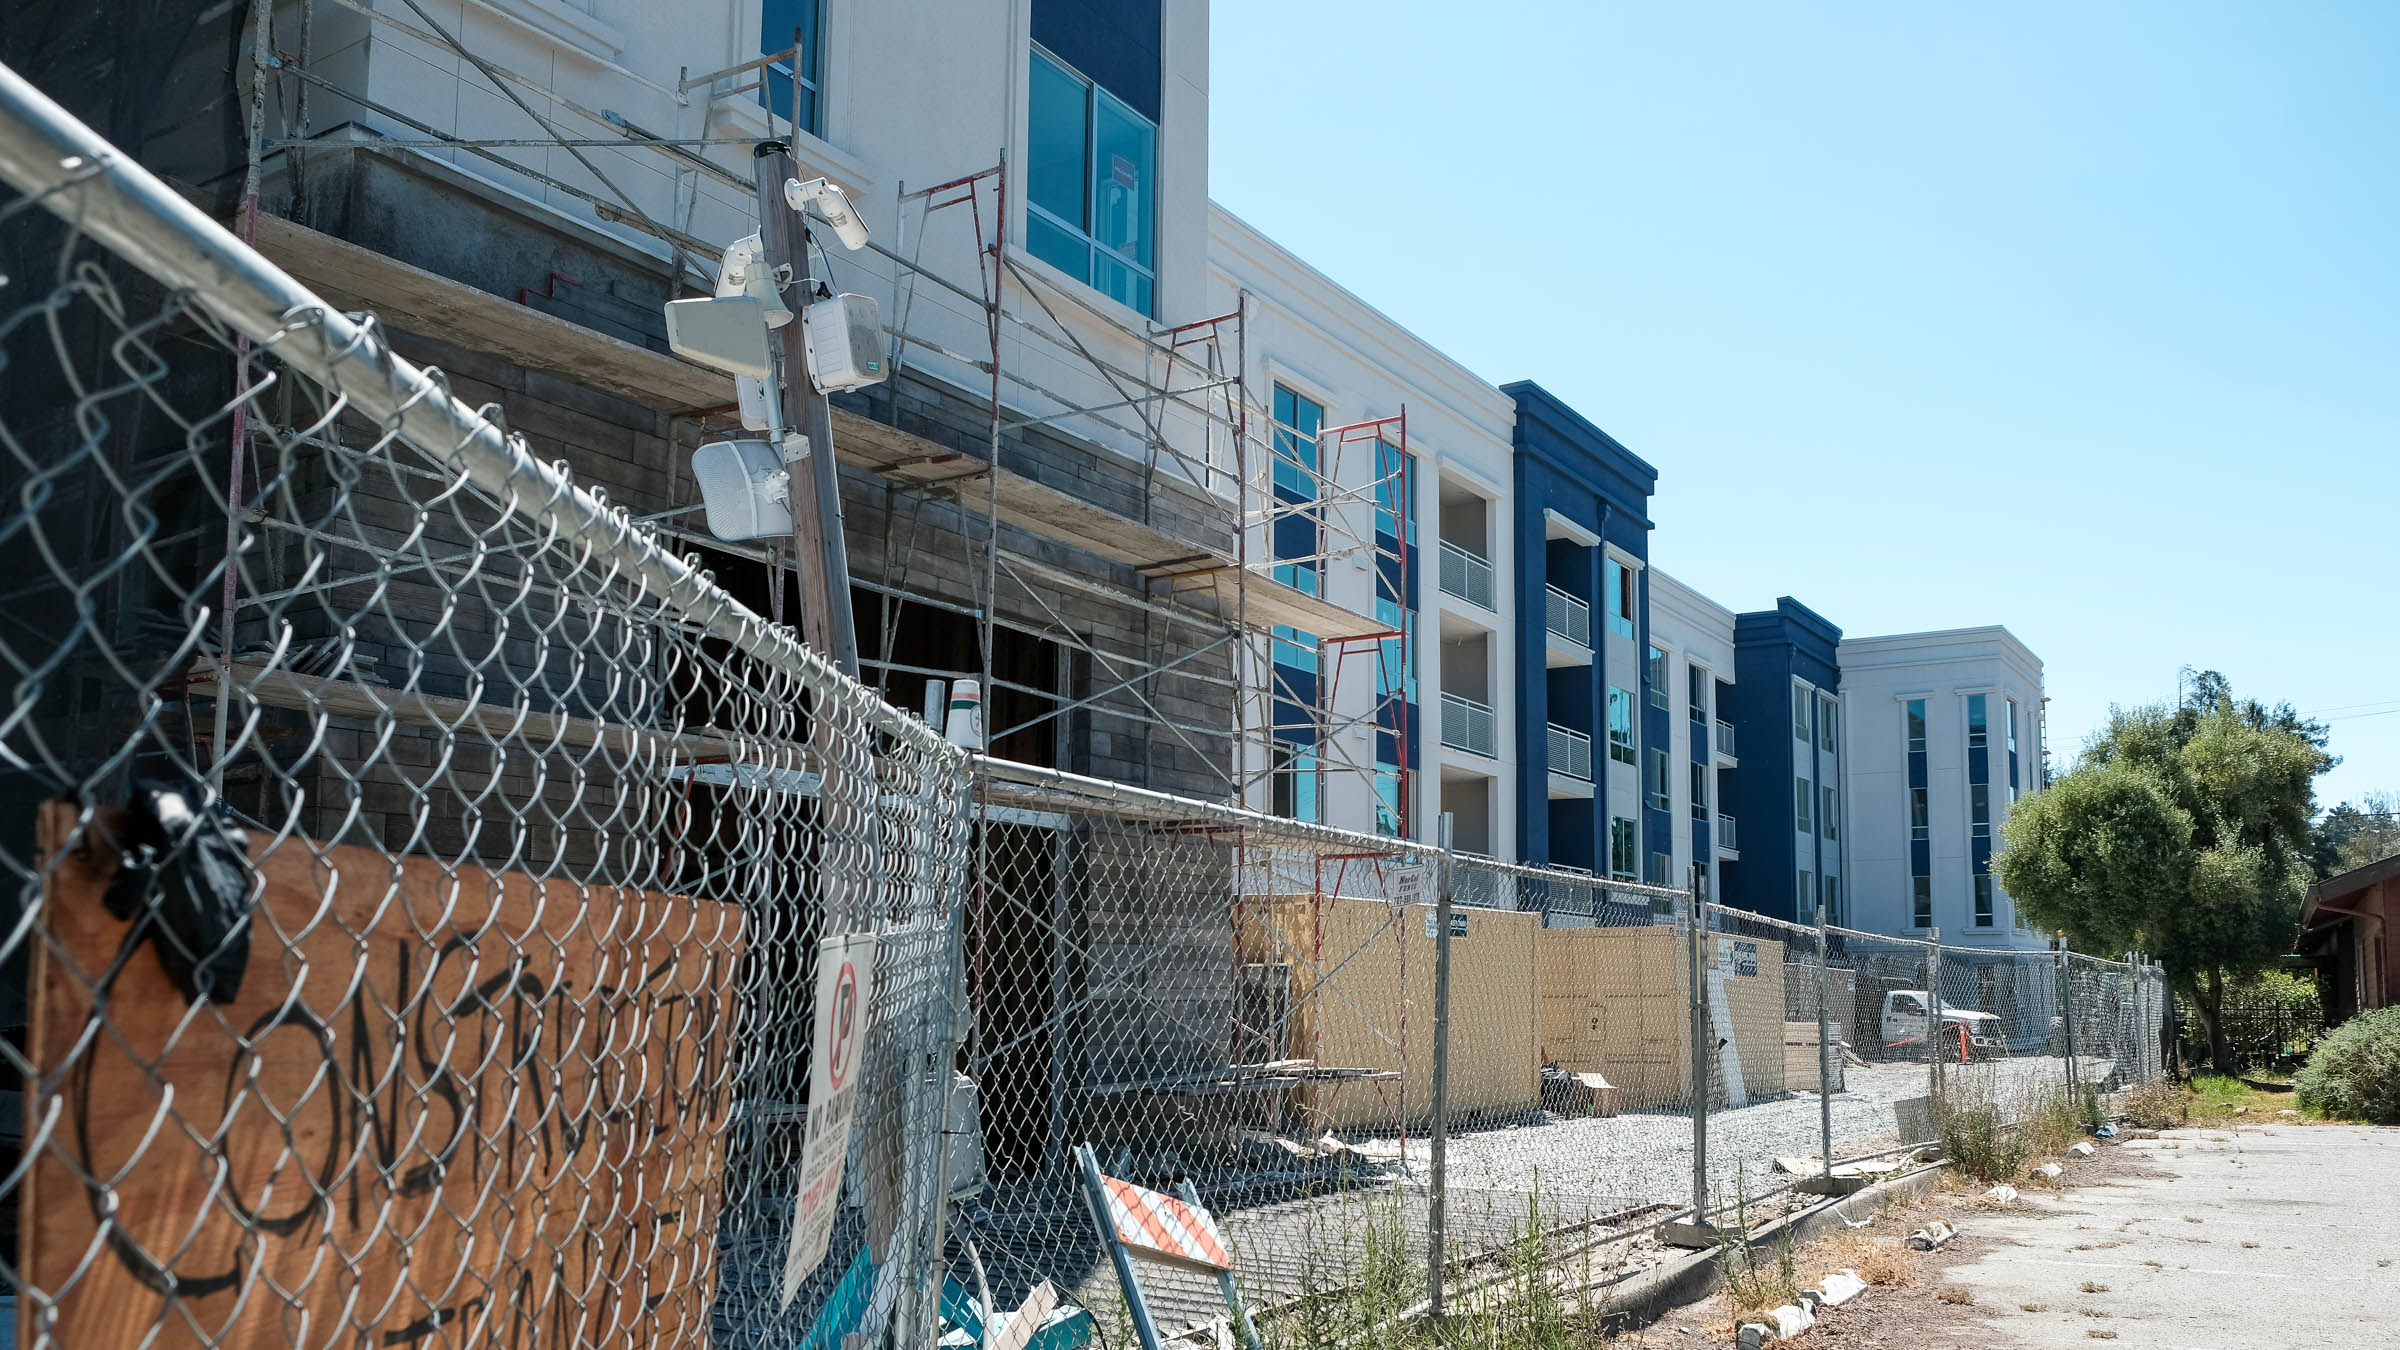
(1951, 1293)
(2189, 1219)
(1750, 1284)
(2092, 1312)
(2099, 1335)
(2249, 1244)
(2094, 1287)
(1878, 1260)
(1975, 1137)
(2160, 1105)
(2035, 1307)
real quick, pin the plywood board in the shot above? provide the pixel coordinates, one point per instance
(1362, 975)
(448, 1108)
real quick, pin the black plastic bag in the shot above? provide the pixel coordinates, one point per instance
(186, 877)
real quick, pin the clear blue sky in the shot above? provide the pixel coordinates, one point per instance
(2080, 319)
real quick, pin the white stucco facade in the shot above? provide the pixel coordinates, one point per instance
(1695, 633)
(1307, 334)
(1950, 674)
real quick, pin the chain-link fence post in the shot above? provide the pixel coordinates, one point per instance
(1824, 1044)
(2066, 1016)
(1436, 1217)
(1700, 1051)
(1933, 1022)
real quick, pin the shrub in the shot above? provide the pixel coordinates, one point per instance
(2355, 1072)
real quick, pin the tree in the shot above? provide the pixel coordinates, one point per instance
(2184, 831)
(2352, 836)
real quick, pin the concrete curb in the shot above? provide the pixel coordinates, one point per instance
(1652, 1294)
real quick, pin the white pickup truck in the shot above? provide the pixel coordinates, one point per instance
(1966, 1033)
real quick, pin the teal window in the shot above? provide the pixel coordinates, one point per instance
(2012, 726)
(1655, 676)
(782, 25)
(1620, 725)
(1295, 782)
(1916, 726)
(1979, 733)
(1622, 850)
(1091, 185)
(1620, 599)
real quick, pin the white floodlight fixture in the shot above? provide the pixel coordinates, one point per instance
(727, 333)
(745, 490)
(832, 203)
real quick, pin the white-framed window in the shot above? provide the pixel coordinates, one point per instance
(1659, 798)
(1979, 732)
(1920, 815)
(1699, 791)
(1804, 806)
(1654, 676)
(1808, 893)
(1620, 725)
(1827, 712)
(1800, 727)
(1979, 810)
(1091, 185)
(1661, 871)
(1916, 726)
(1830, 816)
(780, 23)
(2012, 726)
(1696, 682)
(1833, 899)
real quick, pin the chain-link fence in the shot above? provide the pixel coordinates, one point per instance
(418, 877)
(441, 916)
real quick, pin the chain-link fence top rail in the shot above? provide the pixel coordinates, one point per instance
(422, 950)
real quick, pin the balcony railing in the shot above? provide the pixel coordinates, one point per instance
(1470, 726)
(1467, 576)
(1570, 617)
(1725, 738)
(1725, 836)
(1570, 752)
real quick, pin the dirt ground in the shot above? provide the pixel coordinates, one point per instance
(1912, 1305)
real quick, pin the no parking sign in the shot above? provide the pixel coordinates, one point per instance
(845, 985)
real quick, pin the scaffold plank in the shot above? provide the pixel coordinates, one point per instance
(412, 298)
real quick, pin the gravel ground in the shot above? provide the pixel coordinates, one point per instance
(1647, 1156)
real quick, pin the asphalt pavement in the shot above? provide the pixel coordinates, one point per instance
(2257, 1239)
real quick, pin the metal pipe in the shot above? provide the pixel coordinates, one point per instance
(1933, 1020)
(1700, 1052)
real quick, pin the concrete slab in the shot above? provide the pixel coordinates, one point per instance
(2258, 1240)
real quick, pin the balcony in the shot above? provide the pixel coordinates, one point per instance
(1726, 840)
(1467, 576)
(1568, 620)
(1470, 726)
(1570, 763)
(1725, 739)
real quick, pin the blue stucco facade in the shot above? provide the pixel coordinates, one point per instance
(1566, 464)
(1772, 649)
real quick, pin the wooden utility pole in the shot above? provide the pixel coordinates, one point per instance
(819, 551)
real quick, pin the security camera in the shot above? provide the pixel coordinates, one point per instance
(832, 203)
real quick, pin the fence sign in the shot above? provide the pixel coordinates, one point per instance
(1404, 886)
(1433, 926)
(1736, 957)
(845, 986)
(447, 1106)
